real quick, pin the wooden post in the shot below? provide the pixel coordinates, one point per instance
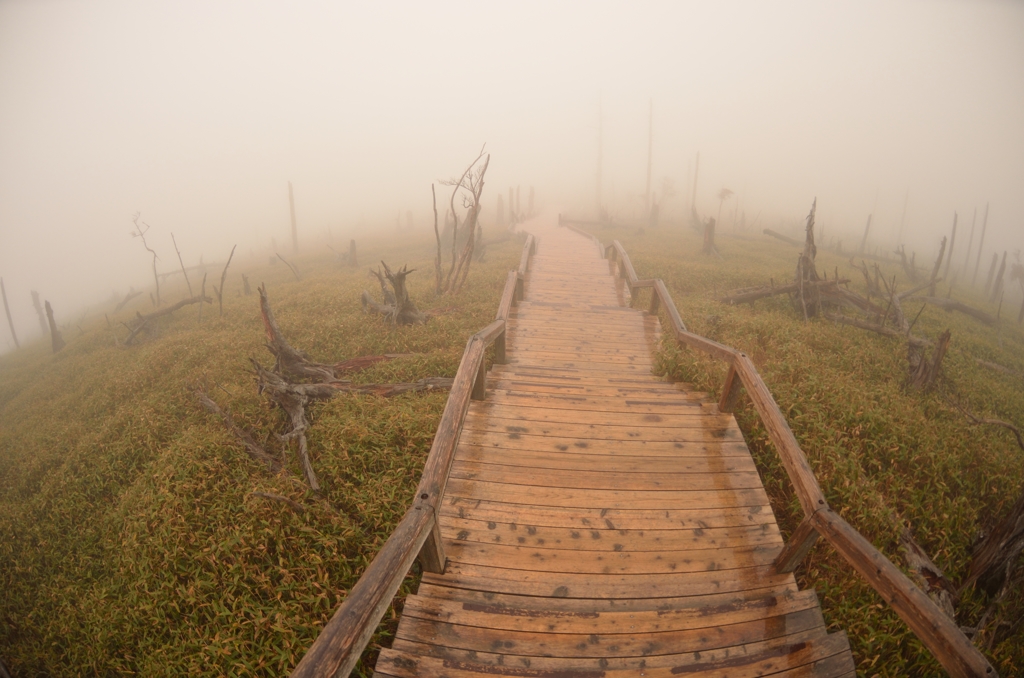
(7, 308)
(730, 391)
(499, 349)
(431, 556)
(797, 548)
(480, 384)
(653, 310)
(56, 341)
(291, 208)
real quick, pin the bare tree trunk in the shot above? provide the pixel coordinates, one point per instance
(56, 341)
(709, 237)
(997, 289)
(991, 273)
(970, 243)
(223, 277)
(952, 241)
(7, 308)
(245, 285)
(36, 304)
(183, 271)
(938, 265)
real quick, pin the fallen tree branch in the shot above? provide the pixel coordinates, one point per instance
(141, 320)
(279, 498)
(953, 305)
(752, 294)
(783, 238)
(254, 449)
(874, 327)
(294, 270)
(128, 297)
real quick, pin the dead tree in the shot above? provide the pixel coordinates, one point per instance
(183, 271)
(938, 265)
(56, 341)
(806, 271)
(128, 297)
(10, 321)
(997, 288)
(952, 241)
(469, 188)
(981, 243)
(991, 273)
(246, 289)
(709, 237)
(864, 240)
(294, 270)
(924, 372)
(219, 291)
(39, 311)
(908, 268)
(397, 306)
(141, 228)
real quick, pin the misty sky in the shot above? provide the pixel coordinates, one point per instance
(197, 114)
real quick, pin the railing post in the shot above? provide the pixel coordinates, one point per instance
(431, 556)
(519, 287)
(730, 391)
(480, 385)
(654, 301)
(797, 548)
(499, 347)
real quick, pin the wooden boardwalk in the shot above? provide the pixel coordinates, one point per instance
(600, 521)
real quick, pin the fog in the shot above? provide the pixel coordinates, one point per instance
(198, 114)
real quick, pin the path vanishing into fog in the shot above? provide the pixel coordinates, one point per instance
(599, 520)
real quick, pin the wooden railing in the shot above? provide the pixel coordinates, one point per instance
(938, 632)
(339, 645)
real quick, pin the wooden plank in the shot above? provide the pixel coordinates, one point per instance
(582, 434)
(526, 419)
(612, 645)
(592, 458)
(659, 391)
(580, 402)
(592, 498)
(719, 662)
(611, 518)
(674, 446)
(602, 480)
(534, 560)
(599, 538)
(596, 617)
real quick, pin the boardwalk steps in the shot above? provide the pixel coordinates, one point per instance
(598, 520)
(579, 517)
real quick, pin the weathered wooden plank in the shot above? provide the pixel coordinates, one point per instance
(602, 480)
(611, 518)
(674, 446)
(523, 412)
(581, 434)
(570, 561)
(683, 663)
(593, 498)
(592, 459)
(599, 538)
(596, 617)
(581, 402)
(611, 645)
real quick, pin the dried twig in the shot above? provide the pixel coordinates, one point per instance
(254, 449)
(183, 271)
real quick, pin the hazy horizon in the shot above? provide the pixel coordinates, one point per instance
(199, 114)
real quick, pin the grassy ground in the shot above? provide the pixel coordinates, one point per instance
(885, 457)
(130, 542)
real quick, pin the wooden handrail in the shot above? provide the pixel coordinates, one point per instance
(939, 633)
(337, 649)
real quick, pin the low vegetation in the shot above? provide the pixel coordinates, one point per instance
(138, 537)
